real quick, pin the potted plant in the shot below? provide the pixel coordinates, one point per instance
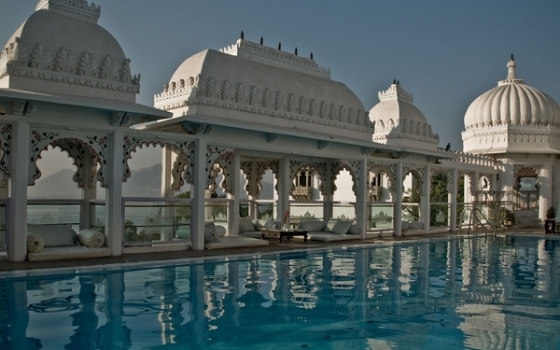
(551, 213)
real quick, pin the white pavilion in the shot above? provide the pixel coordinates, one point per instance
(226, 117)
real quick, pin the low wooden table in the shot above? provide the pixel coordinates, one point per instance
(281, 233)
(550, 226)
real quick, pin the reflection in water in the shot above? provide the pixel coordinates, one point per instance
(479, 293)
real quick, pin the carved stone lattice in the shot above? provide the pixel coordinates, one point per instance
(223, 163)
(262, 167)
(184, 150)
(76, 147)
(389, 169)
(486, 181)
(418, 173)
(321, 168)
(5, 145)
(444, 171)
(472, 185)
(212, 155)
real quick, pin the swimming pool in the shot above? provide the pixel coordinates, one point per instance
(477, 293)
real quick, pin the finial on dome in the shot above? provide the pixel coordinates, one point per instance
(295, 51)
(311, 56)
(242, 36)
(262, 40)
(394, 81)
(511, 57)
(511, 69)
(280, 46)
(398, 82)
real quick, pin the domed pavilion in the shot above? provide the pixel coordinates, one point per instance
(519, 126)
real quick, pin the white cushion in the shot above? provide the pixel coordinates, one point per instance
(220, 230)
(210, 233)
(53, 235)
(35, 243)
(245, 224)
(338, 226)
(236, 242)
(312, 225)
(91, 238)
(354, 230)
(69, 253)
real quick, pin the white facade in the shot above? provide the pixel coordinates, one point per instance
(244, 110)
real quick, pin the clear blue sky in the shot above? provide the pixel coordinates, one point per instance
(445, 53)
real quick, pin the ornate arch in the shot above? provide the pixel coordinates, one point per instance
(417, 172)
(445, 171)
(213, 154)
(389, 169)
(76, 146)
(353, 168)
(321, 168)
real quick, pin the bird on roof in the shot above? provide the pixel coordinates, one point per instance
(448, 147)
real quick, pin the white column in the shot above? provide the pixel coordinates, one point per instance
(253, 187)
(397, 201)
(114, 216)
(545, 190)
(90, 189)
(235, 189)
(167, 159)
(328, 198)
(284, 189)
(17, 230)
(198, 195)
(361, 198)
(452, 199)
(556, 188)
(425, 199)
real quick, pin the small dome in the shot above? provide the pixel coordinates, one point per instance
(62, 44)
(512, 103)
(398, 122)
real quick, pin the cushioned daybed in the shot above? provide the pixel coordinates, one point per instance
(215, 238)
(331, 231)
(252, 228)
(60, 242)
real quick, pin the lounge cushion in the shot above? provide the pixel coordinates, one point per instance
(210, 233)
(220, 230)
(312, 225)
(91, 238)
(354, 230)
(338, 226)
(235, 241)
(245, 224)
(69, 253)
(53, 235)
(331, 237)
(35, 243)
(267, 224)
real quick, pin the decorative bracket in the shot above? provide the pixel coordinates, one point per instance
(196, 128)
(322, 144)
(271, 137)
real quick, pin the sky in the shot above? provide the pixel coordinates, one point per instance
(446, 53)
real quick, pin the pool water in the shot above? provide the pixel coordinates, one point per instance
(482, 292)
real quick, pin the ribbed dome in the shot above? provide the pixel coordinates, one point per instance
(62, 45)
(513, 103)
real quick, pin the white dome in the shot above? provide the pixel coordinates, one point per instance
(398, 122)
(265, 86)
(512, 117)
(62, 50)
(512, 102)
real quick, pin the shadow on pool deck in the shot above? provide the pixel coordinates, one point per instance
(286, 245)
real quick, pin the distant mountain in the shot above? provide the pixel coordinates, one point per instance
(144, 182)
(56, 186)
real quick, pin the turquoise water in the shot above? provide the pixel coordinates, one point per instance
(477, 293)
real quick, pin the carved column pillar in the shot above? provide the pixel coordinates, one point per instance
(545, 190)
(233, 217)
(90, 188)
(556, 187)
(284, 189)
(328, 197)
(113, 196)
(16, 234)
(253, 185)
(198, 194)
(507, 181)
(397, 200)
(452, 200)
(362, 197)
(425, 199)
(167, 159)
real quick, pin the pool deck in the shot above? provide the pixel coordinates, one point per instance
(273, 247)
